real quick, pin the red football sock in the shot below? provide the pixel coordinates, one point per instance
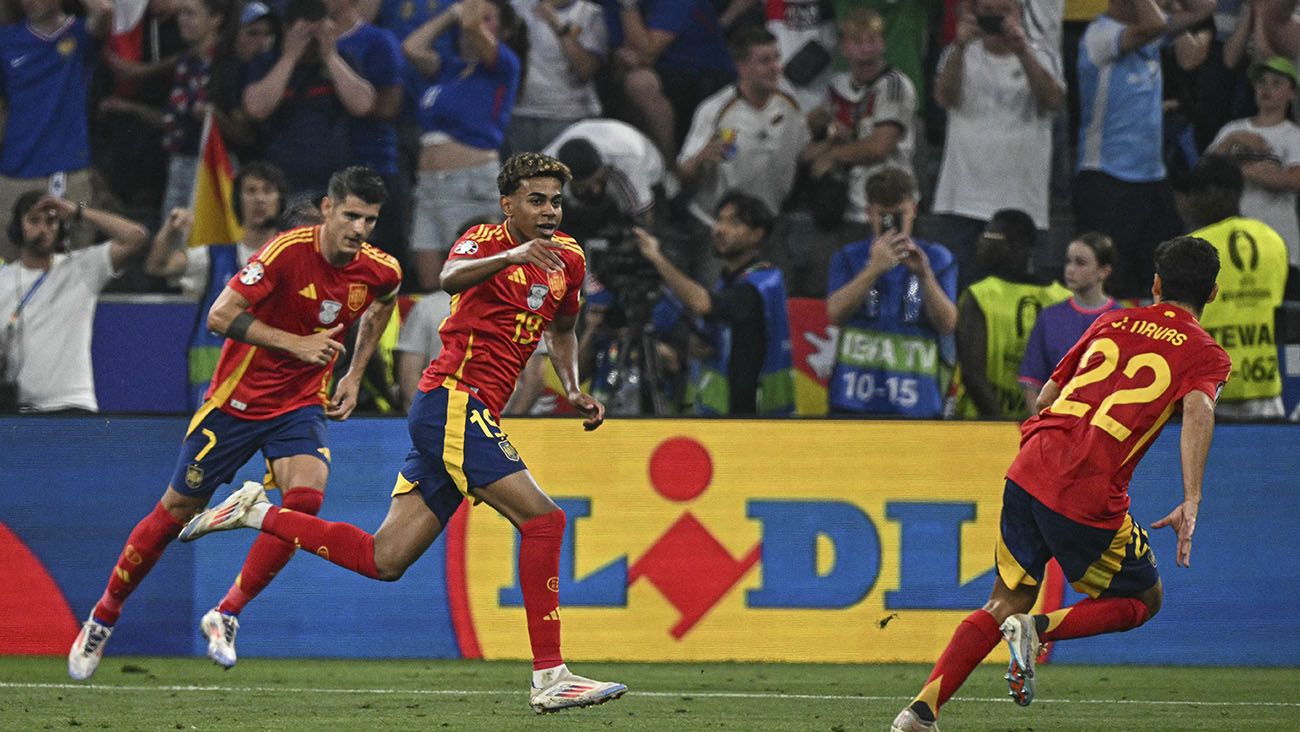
(147, 542)
(340, 543)
(1094, 617)
(971, 642)
(268, 555)
(539, 579)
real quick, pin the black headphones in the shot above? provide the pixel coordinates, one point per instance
(267, 172)
(22, 206)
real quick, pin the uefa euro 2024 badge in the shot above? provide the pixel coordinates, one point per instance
(329, 310)
(537, 295)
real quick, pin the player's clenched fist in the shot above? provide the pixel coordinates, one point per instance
(540, 252)
(318, 349)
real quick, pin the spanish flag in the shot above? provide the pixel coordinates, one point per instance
(214, 218)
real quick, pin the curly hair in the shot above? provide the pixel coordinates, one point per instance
(523, 166)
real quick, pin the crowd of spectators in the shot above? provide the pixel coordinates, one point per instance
(932, 169)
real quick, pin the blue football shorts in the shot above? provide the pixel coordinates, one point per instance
(456, 446)
(218, 444)
(1097, 562)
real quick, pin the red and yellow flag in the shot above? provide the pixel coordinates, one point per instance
(214, 218)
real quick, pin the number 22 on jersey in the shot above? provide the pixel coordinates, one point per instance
(1109, 363)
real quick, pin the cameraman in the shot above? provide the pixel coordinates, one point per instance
(610, 158)
(893, 298)
(746, 367)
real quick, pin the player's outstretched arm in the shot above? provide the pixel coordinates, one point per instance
(461, 274)
(229, 316)
(562, 342)
(1198, 430)
(369, 328)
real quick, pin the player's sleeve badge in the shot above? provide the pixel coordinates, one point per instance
(466, 247)
(252, 273)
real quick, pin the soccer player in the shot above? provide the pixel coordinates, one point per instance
(283, 316)
(1066, 493)
(509, 282)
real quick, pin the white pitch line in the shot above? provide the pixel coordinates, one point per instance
(633, 692)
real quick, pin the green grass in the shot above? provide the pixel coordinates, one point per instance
(136, 693)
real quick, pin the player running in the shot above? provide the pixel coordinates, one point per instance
(282, 316)
(1066, 493)
(508, 283)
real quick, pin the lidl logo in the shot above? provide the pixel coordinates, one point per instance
(698, 544)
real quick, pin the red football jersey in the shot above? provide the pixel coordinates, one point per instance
(293, 288)
(496, 325)
(1119, 385)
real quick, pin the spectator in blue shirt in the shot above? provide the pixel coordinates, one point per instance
(45, 66)
(464, 109)
(894, 299)
(329, 99)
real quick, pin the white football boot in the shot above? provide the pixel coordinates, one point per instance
(1022, 639)
(229, 514)
(88, 649)
(220, 630)
(561, 689)
(908, 721)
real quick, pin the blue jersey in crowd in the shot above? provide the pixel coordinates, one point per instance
(376, 56)
(472, 105)
(888, 359)
(44, 80)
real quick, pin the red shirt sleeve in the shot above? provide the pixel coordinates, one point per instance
(257, 279)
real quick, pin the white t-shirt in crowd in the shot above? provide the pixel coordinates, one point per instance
(998, 152)
(551, 89)
(635, 165)
(763, 152)
(1275, 208)
(195, 277)
(419, 332)
(50, 346)
(890, 98)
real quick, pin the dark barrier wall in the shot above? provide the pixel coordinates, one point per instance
(686, 540)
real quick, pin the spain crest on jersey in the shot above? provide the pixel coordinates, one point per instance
(555, 281)
(357, 295)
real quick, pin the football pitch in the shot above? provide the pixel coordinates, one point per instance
(146, 693)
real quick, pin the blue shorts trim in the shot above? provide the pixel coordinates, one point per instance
(456, 446)
(219, 444)
(1097, 562)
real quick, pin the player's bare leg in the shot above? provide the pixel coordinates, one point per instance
(540, 522)
(145, 545)
(302, 484)
(974, 638)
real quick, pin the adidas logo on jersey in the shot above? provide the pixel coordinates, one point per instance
(309, 291)
(553, 615)
(517, 275)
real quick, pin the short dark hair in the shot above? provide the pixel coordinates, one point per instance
(262, 170)
(751, 211)
(1016, 226)
(1188, 267)
(358, 181)
(890, 186)
(744, 41)
(581, 157)
(522, 166)
(1102, 246)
